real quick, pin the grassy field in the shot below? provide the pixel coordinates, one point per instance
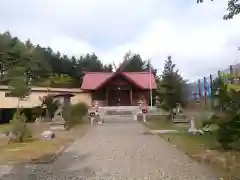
(37, 149)
(203, 148)
(4, 127)
(234, 87)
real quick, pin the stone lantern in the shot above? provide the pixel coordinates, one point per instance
(140, 105)
(157, 101)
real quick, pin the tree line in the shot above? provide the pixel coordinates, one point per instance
(44, 67)
(23, 64)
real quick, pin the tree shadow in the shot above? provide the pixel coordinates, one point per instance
(70, 165)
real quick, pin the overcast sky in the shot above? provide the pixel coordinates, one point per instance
(196, 36)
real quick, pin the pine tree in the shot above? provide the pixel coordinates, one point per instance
(219, 94)
(171, 87)
(229, 128)
(228, 112)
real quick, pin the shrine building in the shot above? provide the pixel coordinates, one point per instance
(119, 88)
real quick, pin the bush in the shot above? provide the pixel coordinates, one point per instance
(228, 132)
(32, 113)
(77, 112)
(19, 129)
(50, 104)
(79, 109)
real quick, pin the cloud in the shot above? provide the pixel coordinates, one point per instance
(197, 37)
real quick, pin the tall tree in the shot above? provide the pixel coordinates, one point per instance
(228, 113)
(233, 8)
(18, 85)
(42, 62)
(133, 63)
(171, 87)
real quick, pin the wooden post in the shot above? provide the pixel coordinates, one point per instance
(205, 91)
(107, 96)
(131, 97)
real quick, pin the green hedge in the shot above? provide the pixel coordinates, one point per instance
(77, 112)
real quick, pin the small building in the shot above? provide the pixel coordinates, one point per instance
(8, 104)
(119, 88)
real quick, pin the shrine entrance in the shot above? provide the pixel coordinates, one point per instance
(119, 97)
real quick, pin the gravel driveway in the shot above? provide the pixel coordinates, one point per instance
(116, 150)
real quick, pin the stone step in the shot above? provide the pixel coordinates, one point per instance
(117, 118)
(117, 112)
(180, 120)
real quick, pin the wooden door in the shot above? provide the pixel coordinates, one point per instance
(124, 96)
(118, 98)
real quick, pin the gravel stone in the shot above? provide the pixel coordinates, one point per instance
(115, 151)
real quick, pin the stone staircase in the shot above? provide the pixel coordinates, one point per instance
(125, 113)
(116, 114)
(180, 118)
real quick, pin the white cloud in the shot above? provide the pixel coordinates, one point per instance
(199, 39)
(195, 34)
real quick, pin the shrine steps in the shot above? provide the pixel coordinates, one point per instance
(126, 113)
(180, 119)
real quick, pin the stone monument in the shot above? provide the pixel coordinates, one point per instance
(62, 114)
(178, 116)
(192, 126)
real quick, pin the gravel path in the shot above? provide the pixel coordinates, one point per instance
(117, 151)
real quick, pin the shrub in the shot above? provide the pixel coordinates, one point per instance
(32, 113)
(77, 112)
(19, 129)
(229, 128)
(213, 119)
(228, 132)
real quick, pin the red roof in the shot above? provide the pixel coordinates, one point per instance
(93, 80)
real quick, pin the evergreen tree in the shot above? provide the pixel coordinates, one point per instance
(227, 112)
(41, 63)
(171, 87)
(133, 63)
(229, 126)
(219, 94)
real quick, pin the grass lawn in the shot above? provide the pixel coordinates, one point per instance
(4, 127)
(203, 148)
(38, 149)
(234, 87)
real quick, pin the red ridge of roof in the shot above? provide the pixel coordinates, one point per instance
(93, 80)
(142, 79)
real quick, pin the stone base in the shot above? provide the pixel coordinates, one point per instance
(166, 131)
(58, 126)
(48, 135)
